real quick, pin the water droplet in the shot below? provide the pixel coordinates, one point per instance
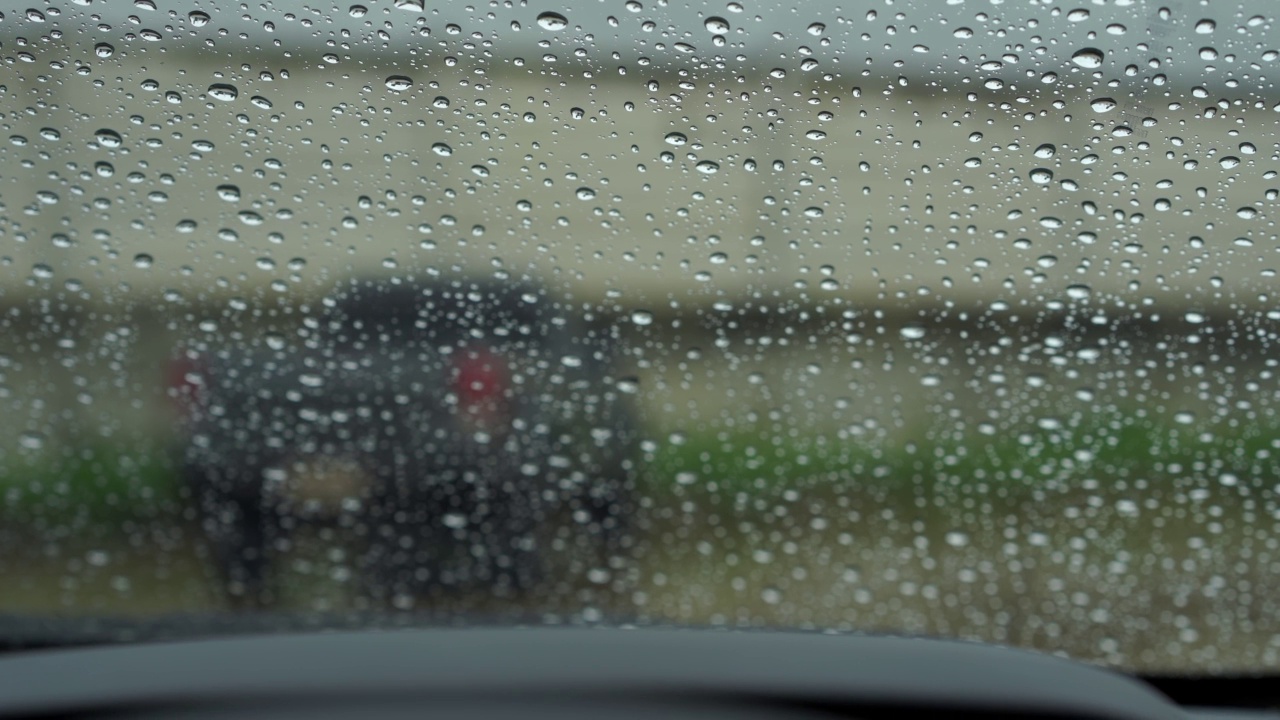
(398, 83)
(1042, 176)
(31, 440)
(441, 149)
(275, 340)
(552, 21)
(716, 25)
(675, 138)
(104, 50)
(963, 33)
(1247, 212)
(815, 135)
(1078, 15)
(357, 11)
(642, 317)
(230, 193)
(186, 226)
(707, 167)
(816, 29)
(813, 212)
(1079, 292)
(224, 92)
(1046, 151)
(108, 138)
(1229, 161)
(143, 260)
(912, 332)
(104, 169)
(1102, 105)
(1206, 26)
(260, 102)
(198, 18)
(1088, 58)
(585, 193)
(411, 5)
(251, 218)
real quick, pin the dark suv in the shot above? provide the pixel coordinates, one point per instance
(456, 426)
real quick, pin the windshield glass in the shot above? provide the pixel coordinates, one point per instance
(955, 319)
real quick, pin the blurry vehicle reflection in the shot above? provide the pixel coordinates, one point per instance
(460, 429)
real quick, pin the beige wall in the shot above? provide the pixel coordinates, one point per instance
(915, 223)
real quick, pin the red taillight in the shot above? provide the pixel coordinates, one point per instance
(186, 384)
(481, 380)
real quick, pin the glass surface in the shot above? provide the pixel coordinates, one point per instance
(946, 318)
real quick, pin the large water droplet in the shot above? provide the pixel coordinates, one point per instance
(716, 25)
(552, 21)
(230, 193)
(1103, 104)
(198, 18)
(1079, 292)
(108, 138)
(912, 332)
(675, 138)
(398, 83)
(707, 167)
(104, 50)
(224, 92)
(1046, 151)
(1088, 58)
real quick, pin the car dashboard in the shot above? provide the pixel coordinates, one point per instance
(570, 673)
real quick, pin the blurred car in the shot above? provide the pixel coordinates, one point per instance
(445, 422)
